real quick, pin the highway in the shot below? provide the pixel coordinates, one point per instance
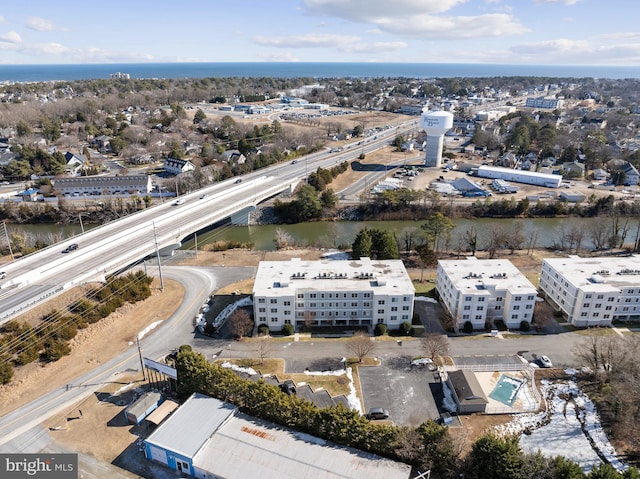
(38, 277)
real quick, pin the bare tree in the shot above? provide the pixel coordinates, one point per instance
(240, 323)
(264, 347)
(435, 344)
(360, 345)
(605, 355)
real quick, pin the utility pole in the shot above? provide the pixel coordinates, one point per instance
(6, 233)
(195, 239)
(155, 240)
(144, 375)
(81, 225)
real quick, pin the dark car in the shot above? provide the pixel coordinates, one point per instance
(239, 180)
(70, 248)
(377, 413)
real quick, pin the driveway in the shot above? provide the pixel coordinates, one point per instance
(404, 391)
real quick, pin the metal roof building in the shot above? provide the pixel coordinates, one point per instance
(206, 437)
(520, 176)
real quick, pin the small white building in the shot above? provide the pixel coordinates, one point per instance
(593, 291)
(207, 438)
(520, 176)
(357, 293)
(485, 290)
(174, 166)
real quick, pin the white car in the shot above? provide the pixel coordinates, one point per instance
(545, 362)
(178, 202)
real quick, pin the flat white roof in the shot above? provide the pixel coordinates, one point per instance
(188, 428)
(522, 173)
(245, 447)
(471, 274)
(283, 278)
(599, 274)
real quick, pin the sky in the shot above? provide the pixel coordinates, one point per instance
(539, 32)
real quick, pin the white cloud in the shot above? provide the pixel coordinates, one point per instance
(41, 24)
(280, 57)
(342, 43)
(11, 37)
(436, 27)
(311, 40)
(368, 10)
(566, 2)
(2, 20)
(577, 52)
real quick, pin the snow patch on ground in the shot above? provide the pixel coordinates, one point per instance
(239, 369)
(148, 329)
(425, 299)
(352, 397)
(448, 402)
(570, 427)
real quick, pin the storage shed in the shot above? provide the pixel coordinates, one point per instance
(467, 392)
(142, 407)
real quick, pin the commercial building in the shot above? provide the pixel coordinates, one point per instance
(485, 290)
(542, 102)
(207, 438)
(593, 291)
(519, 176)
(358, 293)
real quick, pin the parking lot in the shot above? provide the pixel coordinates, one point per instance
(406, 392)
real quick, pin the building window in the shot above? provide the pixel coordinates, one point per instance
(393, 318)
(516, 307)
(465, 316)
(274, 320)
(394, 300)
(312, 305)
(529, 306)
(530, 298)
(467, 307)
(366, 304)
(608, 308)
(467, 298)
(354, 295)
(261, 300)
(499, 298)
(405, 308)
(367, 295)
(478, 316)
(312, 295)
(588, 296)
(601, 296)
(263, 319)
(481, 299)
(287, 312)
(354, 305)
(586, 305)
(381, 301)
(406, 298)
(480, 308)
(518, 298)
(287, 321)
(598, 305)
(394, 308)
(405, 316)
(262, 310)
(380, 321)
(274, 310)
(287, 303)
(514, 316)
(498, 308)
(381, 311)
(299, 305)
(300, 296)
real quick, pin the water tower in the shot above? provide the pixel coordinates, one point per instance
(436, 124)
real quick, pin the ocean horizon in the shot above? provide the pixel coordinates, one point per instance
(69, 72)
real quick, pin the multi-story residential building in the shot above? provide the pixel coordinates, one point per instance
(483, 291)
(593, 291)
(354, 293)
(103, 185)
(542, 102)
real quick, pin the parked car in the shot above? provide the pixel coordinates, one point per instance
(377, 413)
(545, 362)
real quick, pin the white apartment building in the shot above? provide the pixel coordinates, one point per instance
(485, 290)
(358, 293)
(593, 291)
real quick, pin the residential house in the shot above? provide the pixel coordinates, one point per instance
(631, 175)
(573, 169)
(599, 174)
(102, 143)
(75, 162)
(174, 166)
(233, 157)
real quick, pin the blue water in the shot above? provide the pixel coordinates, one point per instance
(32, 73)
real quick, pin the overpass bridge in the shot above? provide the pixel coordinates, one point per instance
(104, 250)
